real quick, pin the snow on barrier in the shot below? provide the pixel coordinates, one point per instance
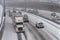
(1, 21)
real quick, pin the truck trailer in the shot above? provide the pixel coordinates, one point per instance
(19, 23)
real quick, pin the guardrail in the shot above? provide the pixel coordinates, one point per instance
(1, 28)
(2, 24)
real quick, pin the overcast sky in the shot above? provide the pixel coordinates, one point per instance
(57, 1)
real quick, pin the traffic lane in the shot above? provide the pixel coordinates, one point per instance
(48, 27)
(21, 36)
(45, 32)
(28, 33)
(52, 29)
(38, 18)
(34, 19)
(9, 31)
(36, 34)
(47, 35)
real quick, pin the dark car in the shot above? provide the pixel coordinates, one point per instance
(20, 12)
(30, 11)
(26, 18)
(10, 13)
(14, 11)
(23, 9)
(39, 25)
(33, 11)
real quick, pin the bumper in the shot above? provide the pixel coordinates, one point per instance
(20, 31)
(26, 21)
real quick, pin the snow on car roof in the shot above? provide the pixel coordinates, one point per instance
(38, 22)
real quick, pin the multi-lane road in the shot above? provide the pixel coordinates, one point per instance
(51, 31)
(50, 27)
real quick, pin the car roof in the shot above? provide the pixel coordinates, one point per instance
(39, 22)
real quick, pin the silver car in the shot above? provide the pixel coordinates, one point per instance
(39, 25)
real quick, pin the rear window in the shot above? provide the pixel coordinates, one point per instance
(19, 23)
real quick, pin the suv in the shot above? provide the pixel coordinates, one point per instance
(26, 18)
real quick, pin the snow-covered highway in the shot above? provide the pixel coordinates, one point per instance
(50, 27)
(51, 30)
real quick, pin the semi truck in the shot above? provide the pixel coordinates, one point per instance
(18, 23)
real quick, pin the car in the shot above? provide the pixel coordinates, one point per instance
(17, 11)
(33, 11)
(10, 13)
(30, 11)
(14, 10)
(26, 18)
(39, 25)
(24, 9)
(20, 12)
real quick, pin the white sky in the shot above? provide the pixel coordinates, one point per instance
(20, 0)
(54, 1)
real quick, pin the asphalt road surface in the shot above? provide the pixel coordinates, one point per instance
(31, 32)
(49, 27)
